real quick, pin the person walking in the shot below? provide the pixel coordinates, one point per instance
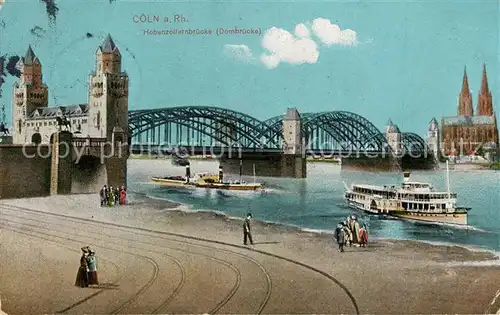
(340, 236)
(117, 196)
(92, 267)
(111, 196)
(123, 196)
(363, 236)
(82, 280)
(353, 226)
(247, 234)
(102, 194)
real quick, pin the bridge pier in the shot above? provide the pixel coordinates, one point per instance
(388, 163)
(384, 163)
(61, 169)
(266, 165)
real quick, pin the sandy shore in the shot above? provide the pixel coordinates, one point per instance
(150, 266)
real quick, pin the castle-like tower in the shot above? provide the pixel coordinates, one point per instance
(292, 131)
(465, 107)
(105, 115)
(108, 93)
(28, 94)
(485, 100)
(434, 137)
(394, 137)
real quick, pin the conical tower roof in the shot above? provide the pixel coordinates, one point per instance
(433, 125)
(108, 46)
(29, 57)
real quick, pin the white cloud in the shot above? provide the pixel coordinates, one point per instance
(330, 34)
(302, 31)
(282, 46)
(238, 52)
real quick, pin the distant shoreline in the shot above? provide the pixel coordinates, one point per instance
(205, 158)
(454, 167)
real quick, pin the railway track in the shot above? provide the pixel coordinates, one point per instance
(170, 236)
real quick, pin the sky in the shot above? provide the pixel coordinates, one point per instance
(399, 60)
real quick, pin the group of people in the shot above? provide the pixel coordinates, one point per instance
(87, 272)
(351, 232)
(113, 196)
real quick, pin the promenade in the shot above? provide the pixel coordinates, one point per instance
(154, 259)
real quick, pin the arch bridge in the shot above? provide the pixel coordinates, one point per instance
(198, 127)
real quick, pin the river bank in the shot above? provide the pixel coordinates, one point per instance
(388, 277)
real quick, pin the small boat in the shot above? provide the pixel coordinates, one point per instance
(412, 200)
(207, 181)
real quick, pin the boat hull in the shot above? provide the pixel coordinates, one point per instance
(457, 218)
(237, 187)
(182, 183)
(171, 182)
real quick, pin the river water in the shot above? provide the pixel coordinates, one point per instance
(316, 203)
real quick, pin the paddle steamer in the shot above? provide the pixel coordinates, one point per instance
(207, 181)
(412, 200)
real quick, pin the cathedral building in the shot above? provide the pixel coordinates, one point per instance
(105, 114)
(469, 133)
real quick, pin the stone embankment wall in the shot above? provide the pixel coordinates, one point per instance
(24, 174)
(33, 171)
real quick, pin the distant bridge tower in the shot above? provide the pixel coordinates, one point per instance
(293, 161)
(433, 138)
(394, 139)
(292, 132)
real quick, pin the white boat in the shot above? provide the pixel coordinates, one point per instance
(411, 200)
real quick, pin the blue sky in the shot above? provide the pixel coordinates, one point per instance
(398, 60)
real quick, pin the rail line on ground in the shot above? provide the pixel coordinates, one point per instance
(295, 262)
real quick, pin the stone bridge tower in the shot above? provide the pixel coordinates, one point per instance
(433, 138)
(108, 108)
(394, 138)
(293, 162)
(108, 94)
(28, 94)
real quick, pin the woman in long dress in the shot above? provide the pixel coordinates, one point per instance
(363, 236)
(92, 264)
(123, 196)
(111, 198)
(82, 280)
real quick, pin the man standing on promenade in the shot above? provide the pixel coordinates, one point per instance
(102, 194)
(340, 236)
(246, 230)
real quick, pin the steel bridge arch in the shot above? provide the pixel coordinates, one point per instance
(351, 130)
(246, 128)
(413, 143)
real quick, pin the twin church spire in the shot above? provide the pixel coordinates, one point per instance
(485, 100)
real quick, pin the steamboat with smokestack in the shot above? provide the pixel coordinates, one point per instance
(417, 201)
(206, 180)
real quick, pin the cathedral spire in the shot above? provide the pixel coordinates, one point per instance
(484, 100)
(465, 100)
(484, 82)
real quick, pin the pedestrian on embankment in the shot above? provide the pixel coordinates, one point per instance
(247, 233)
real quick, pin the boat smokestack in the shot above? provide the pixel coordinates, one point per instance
(188, 173)
(406, 176)
(221, 174)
